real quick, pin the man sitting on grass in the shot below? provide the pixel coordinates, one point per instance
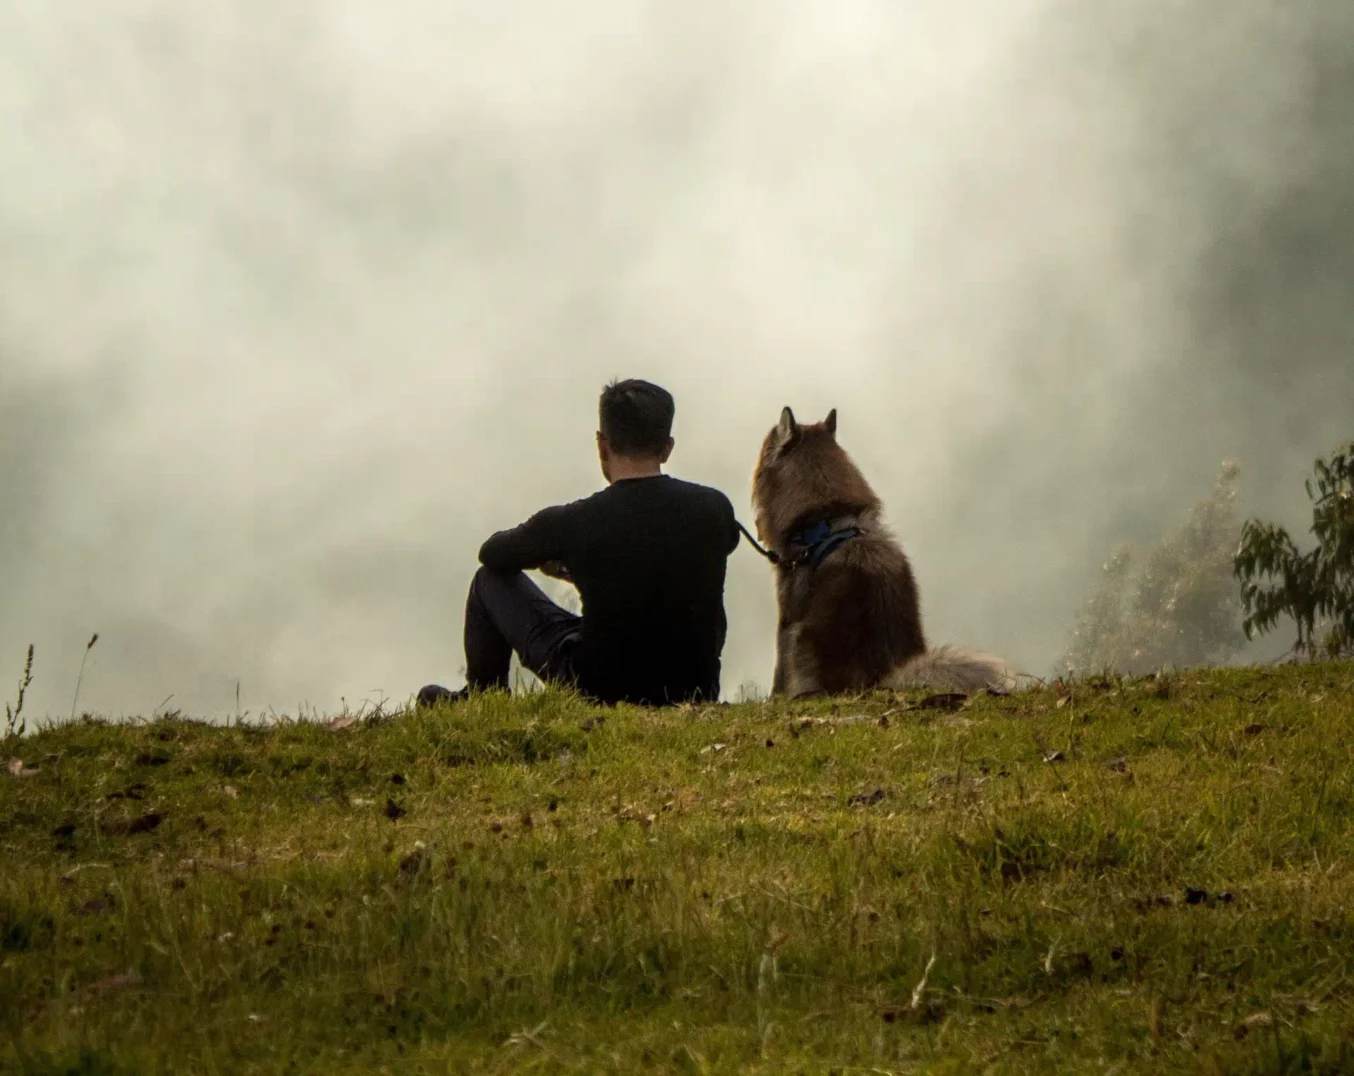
(647, 555)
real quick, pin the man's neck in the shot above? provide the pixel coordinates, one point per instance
(622, 468)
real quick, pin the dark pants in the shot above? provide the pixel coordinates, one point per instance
(507, 612)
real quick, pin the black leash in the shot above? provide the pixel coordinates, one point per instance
(817, 542)
(767, 553)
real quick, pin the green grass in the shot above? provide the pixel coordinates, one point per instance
(563, 893)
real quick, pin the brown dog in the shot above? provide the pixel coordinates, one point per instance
(850, 619)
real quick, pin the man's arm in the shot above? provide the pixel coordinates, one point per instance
(539, 540)
(730, 525)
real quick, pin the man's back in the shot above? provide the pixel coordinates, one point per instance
(648, 557)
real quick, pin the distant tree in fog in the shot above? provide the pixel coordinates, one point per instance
(1177, 606)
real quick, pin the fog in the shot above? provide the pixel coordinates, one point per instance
(299, 302)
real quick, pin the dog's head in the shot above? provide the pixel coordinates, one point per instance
(802, 470)
(787, 439)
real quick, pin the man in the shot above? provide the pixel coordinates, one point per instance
(648, 557)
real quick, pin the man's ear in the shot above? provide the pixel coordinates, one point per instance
(787, 429)
(831, 422)
(667, 451)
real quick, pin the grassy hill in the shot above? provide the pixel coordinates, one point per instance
(1150, 875)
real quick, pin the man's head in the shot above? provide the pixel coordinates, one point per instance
(634, 435)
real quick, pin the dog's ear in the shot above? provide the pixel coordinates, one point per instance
(831, 422)
(787, 429)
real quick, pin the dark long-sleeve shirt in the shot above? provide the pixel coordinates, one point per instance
(648, 557)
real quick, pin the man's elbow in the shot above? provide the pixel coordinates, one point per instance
(494, 557)
(502, 556)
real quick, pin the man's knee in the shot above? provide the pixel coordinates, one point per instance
(488, 581)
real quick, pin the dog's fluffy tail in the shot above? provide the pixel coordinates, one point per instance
(953, 668)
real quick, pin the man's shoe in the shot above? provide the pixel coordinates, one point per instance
(437, 695)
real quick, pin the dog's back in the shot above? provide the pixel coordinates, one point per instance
(860, 616)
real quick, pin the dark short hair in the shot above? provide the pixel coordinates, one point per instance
(636, 417)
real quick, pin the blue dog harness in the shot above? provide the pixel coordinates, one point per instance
(818, 543)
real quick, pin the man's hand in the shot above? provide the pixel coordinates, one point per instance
(556, 570)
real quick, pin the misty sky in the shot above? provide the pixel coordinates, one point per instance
(298, 302)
